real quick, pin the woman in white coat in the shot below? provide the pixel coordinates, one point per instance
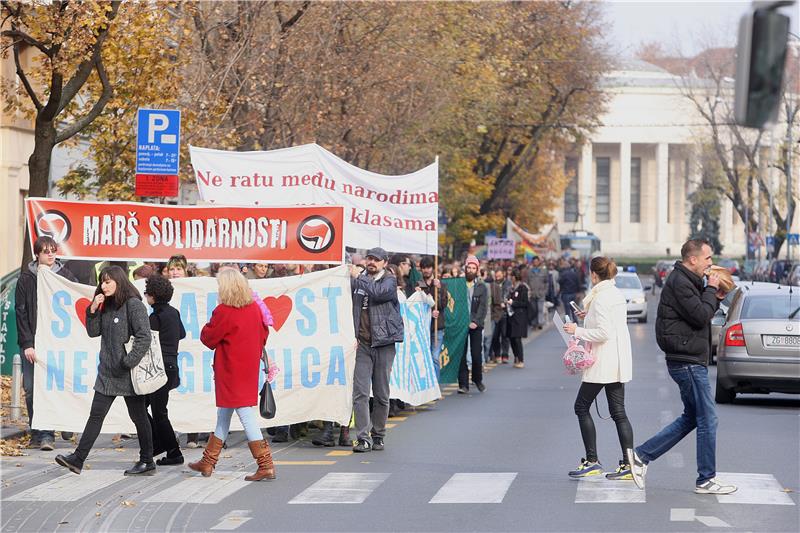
(605, 329)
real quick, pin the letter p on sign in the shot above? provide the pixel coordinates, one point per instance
(159, 122)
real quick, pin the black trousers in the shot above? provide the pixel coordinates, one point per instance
(473, 348)
(516, 347)
(136, 410)
(615, 393)
(163, 435)
(499, 346)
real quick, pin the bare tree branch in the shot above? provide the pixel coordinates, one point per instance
(24, 78)
(97, 108)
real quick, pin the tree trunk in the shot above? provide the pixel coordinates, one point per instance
(39, 172)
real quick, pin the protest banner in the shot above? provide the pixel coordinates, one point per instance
(413, 379)
(398, 213)
(312, 343)
(151, 232)
(456, 325)
(500, 248)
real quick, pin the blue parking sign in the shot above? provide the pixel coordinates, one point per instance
(158, 134)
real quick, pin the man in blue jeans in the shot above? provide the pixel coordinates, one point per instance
(683, 332)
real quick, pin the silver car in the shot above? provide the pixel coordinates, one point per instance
(759, 344)
(631, 287)
(719, 318)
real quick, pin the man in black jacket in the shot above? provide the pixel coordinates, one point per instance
(45, 249)
(430, 285)
(478, 296)
(683, 332)
(378, 326)
(570, 285)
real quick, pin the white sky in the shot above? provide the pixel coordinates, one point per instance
(679, 25)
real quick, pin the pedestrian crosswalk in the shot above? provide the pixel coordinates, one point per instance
(336, 488)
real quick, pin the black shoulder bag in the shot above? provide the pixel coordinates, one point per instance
(266, 400)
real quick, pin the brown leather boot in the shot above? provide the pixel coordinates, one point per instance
(263, 456)
(210, 455)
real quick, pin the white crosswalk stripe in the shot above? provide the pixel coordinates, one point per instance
(341, 487)
(489, 487)
(198, 489)
(69, 487)
(598, 489)
(753, 489)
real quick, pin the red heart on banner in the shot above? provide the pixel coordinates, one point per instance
(80, 309)
(281, 308)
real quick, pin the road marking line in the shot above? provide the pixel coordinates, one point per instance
(487, 487)
(69, 487)
(447, 393)
(232, 520)
(305, 463)
(390, 426)
(198, 489)
(754, 489)
(341, 487)
(339, 453)
(398, 418)
(598, 489)
(687, 515)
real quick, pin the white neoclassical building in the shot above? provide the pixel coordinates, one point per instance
(633, 178)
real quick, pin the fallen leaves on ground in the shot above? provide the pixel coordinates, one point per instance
(128, 503)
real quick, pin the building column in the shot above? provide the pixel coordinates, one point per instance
(624, 188)
(585, 203)
(662, 192)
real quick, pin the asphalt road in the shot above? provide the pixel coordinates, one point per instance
(495, 461)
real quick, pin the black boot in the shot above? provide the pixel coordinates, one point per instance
(344, 436)
(142, 469)
(325, 438)
(281, 434)
(70, 461)
(173, 457)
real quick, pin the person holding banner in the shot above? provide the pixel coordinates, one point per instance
(378, 325)
(428, 284)
(479, 304)
(25, 308)
(237, 333)
(167, 321)
(115, 314)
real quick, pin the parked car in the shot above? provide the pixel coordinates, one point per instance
(759, 344)
(631, 287)
(794, 276)
(731, 264)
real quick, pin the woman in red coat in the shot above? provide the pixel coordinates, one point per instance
(237, 334)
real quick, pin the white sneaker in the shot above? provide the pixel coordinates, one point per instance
(712, 486)
(638, 467)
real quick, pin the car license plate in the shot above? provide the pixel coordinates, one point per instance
(782, 340)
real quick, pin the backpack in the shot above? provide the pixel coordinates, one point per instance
(577, 357)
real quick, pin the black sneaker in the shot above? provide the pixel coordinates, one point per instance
(362, 446)
(463, 390)
(481, 387)
(281, 436)
(71, 462)
(47, 445)
(622, 473)
(377, 443)
(67, 435)
(141, 469)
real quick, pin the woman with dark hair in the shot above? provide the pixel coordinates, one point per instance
(605, 326)
(517, 308)
(167, 321)
(115, 314)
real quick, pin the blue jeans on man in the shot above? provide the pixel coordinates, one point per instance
(436, 350)
(699, 412)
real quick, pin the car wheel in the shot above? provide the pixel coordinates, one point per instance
(724, 395)
(643, 320)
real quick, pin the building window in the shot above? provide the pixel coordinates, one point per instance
(571, 192)
(636, 189)
(603, 190)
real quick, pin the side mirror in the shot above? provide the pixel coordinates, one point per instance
(760, 60)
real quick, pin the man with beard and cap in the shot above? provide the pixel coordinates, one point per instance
(478, 298)
(378, 325)
(45, 249)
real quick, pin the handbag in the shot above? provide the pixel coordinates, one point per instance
(149, 374)
(266, 400)
(577, 357)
